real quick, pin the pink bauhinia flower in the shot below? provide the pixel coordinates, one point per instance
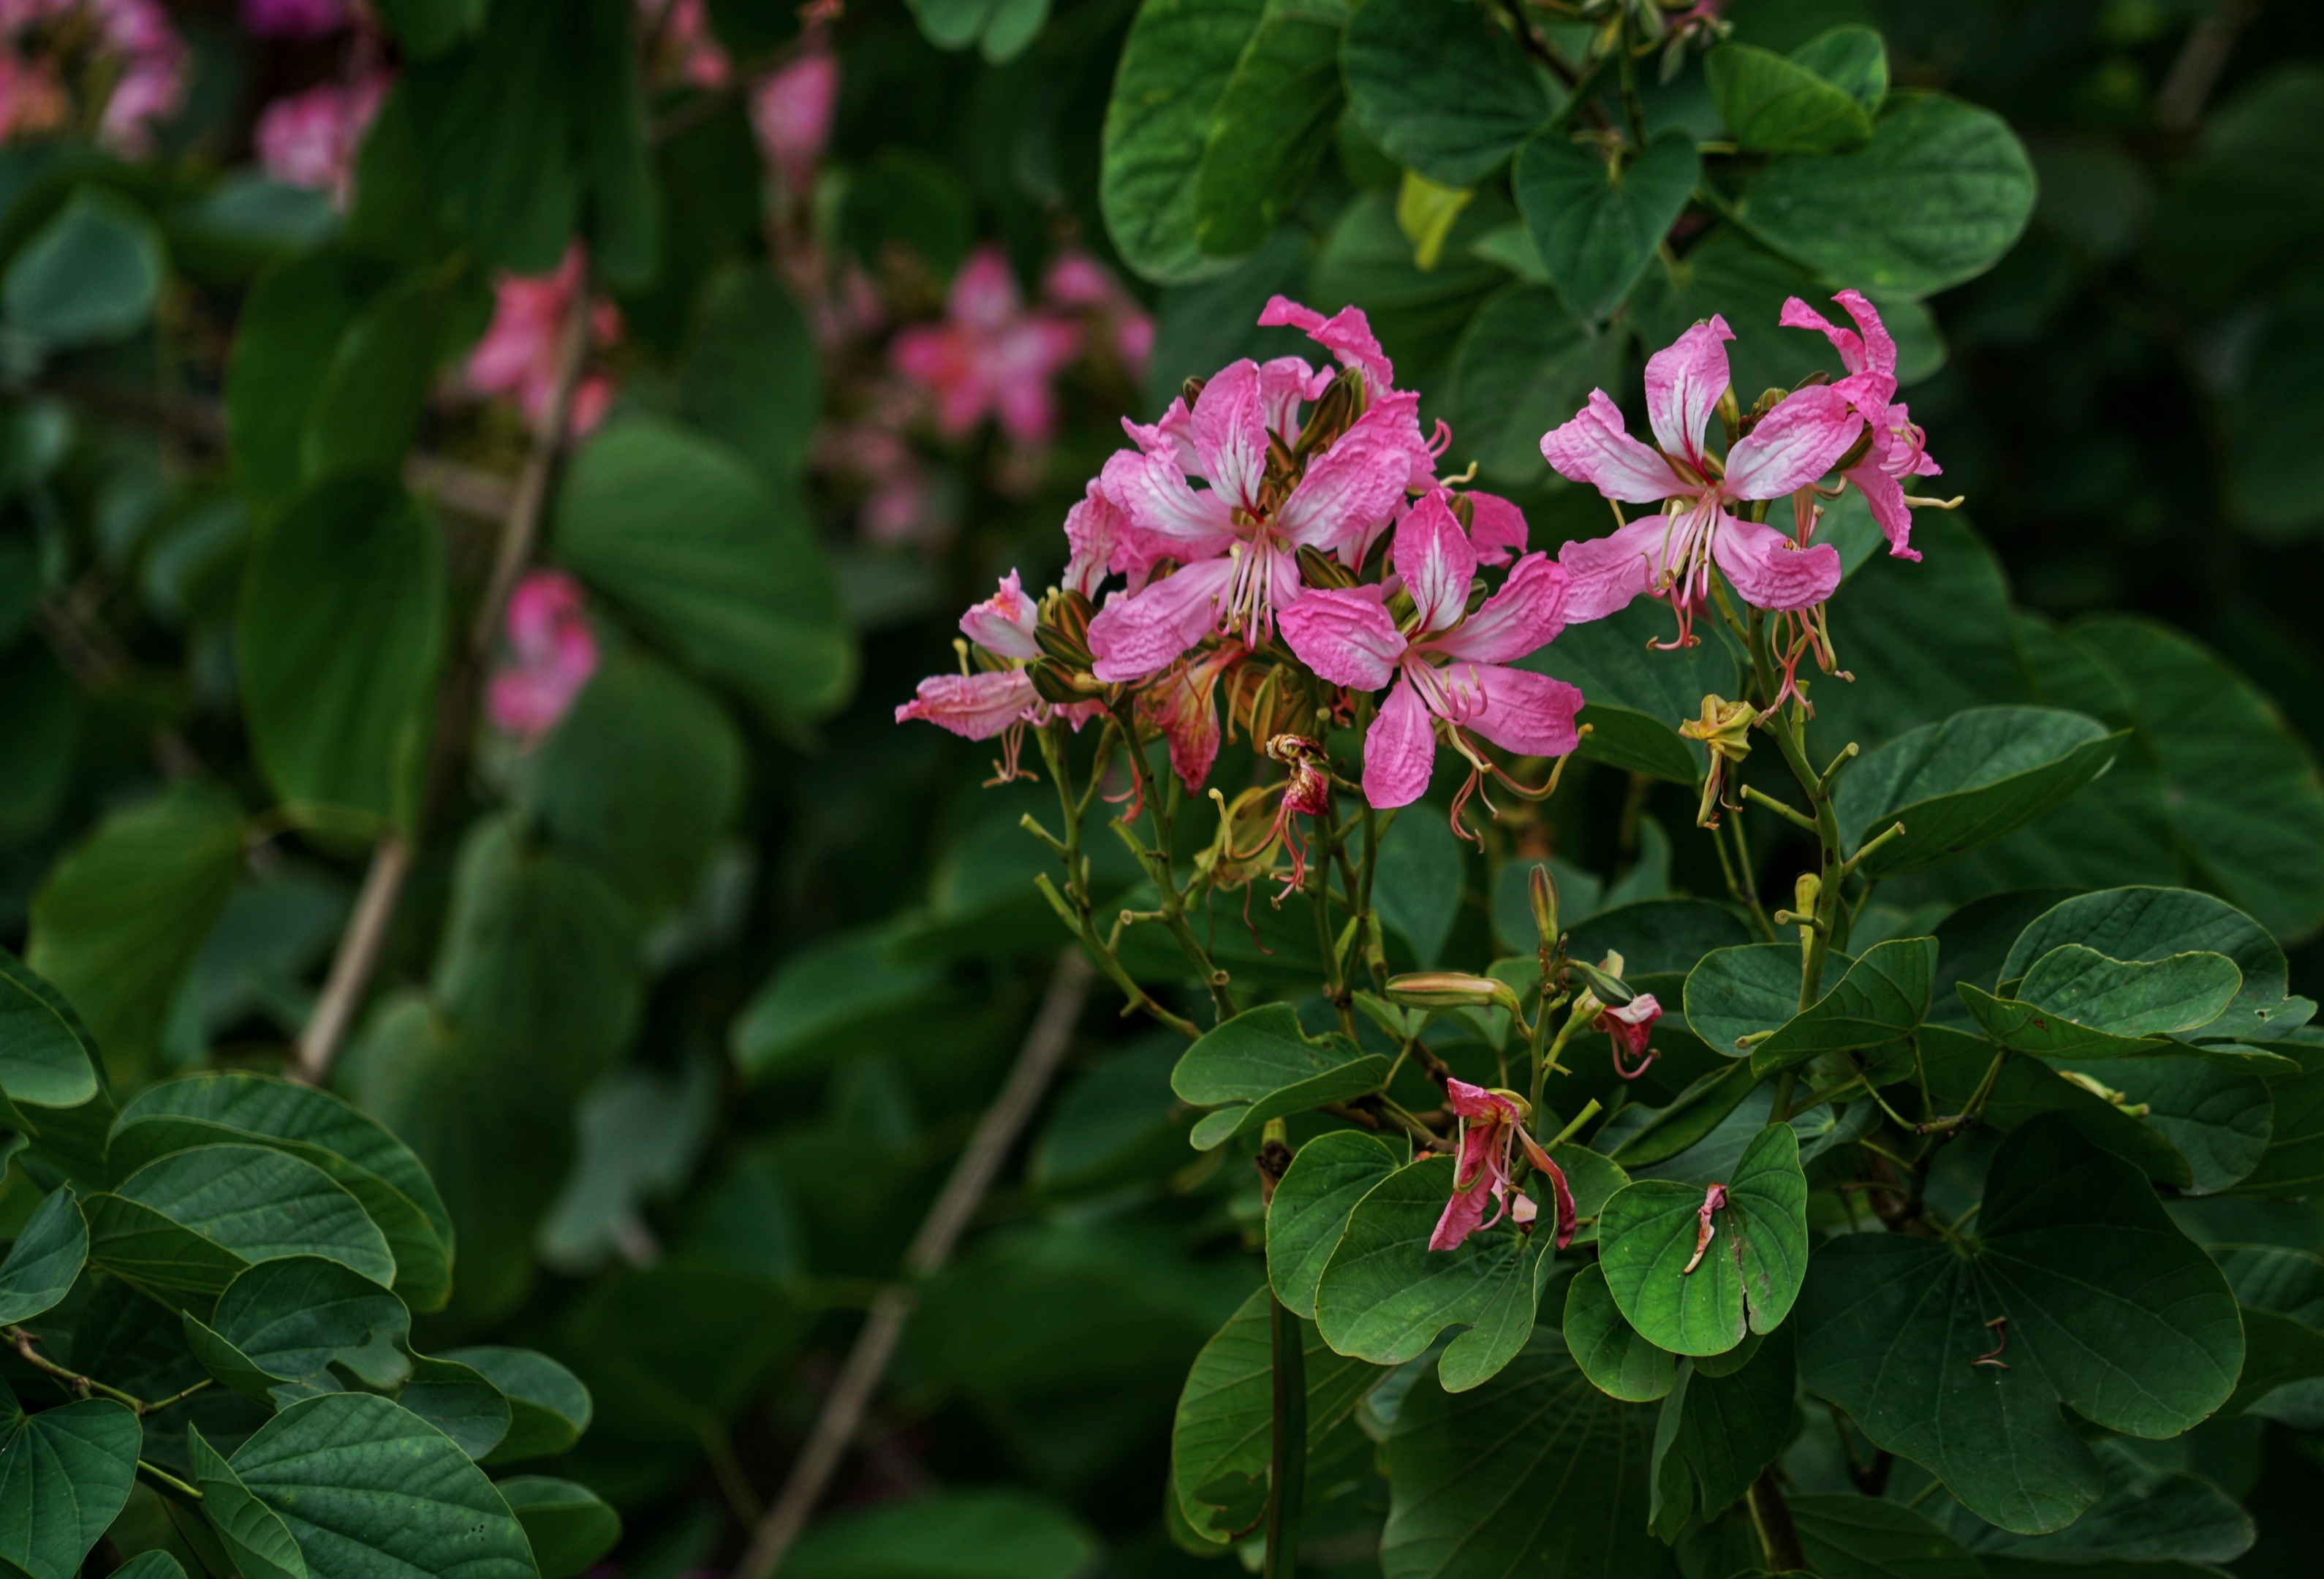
(791, 112)
(683, 49)
(517, 355)
(1181, 704)
(1079, 283)
(311, 139)
(126, 48)
(1492, 1125)
(989, 354)
(1897, 448)
(296, 19)
(1628, 1026)
(552, 651)
(1670, 554)
(997, 697)
(1348, 335)
(1448, 664)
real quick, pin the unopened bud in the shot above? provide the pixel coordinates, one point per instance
(1191, 390)
(1054, 682)
(1451, 990)
(1541, 895)
(1611, 990)
(1464, 510)
(1320, 569)
(1728, 413)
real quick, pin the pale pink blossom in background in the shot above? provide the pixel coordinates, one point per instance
(32, 100)
(791, 111)
(552, 652)
(1078, 282)
(990, 356)
(138, 51)
(311, 139)
(901, 505)
(684, 46)
(296, 19)
(518, 354)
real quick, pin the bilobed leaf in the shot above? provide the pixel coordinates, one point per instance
(1867, 1538)
(1445, 92)
(1962, 784)
(1223, 1431)
(1778, 106)
(2078, 1278)
(568, 1526)
(1523, 366)
(46, 1056)
(1180, 57)
(1884, 995)
(64, 1475)
(2147, 1521)
(91, 274)
(1260, 1066)
(1943, 189)
(458, 1401)
(1618, 1362)
(337, 637)
(2075, 1003)
(549, 1406)
(1733, 993)
(48, 1254)
(1719, 1429)
(1748, 1274)
(1002, 27)
(1270, 130)
(2294, 1158)
(1597, 223)
(2146, 924)
(288, 1321)
(1327, 1176)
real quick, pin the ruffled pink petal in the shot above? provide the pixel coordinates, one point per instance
(1524, 615)
(1771, 571)
(1793, 445)
(1231, 433)
(1885, 496)
(1434, 557)
(1475, 1102)
(1464, 1215)
(1518, 710)
(1497, 528)
(1152, 492)
(1347, 333)
(1594, 448)
(1399, 749)
(1352, 490)
(975, 707)
(1685, 380)
(1092, 527)
(1003, 624)
(1138, 634)
(1343, 635)
(1603, 574)
(1283, 384)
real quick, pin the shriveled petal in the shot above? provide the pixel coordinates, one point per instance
(1475, 1102)
(1399, 749)
(1793, 445)
(1181, 704)
(1771, 571)
(1347, 333)
(1351, 489)
(1517, 710)
(1142, 634)
(1345, 635)
(975, 706)
(1497, 528)
(1603, 574)
(1434, 557)
(1003, 623)
(1464, 1215)
(1231, 433)
(1685, 380)
(1152, 492)
(1594, 448)
(1885, 496)
(1524, 615)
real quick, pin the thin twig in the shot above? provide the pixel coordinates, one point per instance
(867, 1361)
(2200, 60)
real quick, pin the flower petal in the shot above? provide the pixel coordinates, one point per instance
(1432, 556)
(1885, 496)
(1793, 445)
(1869, 356)
(1603, 574)
(1685, 380)
(1518, 710)
(1496, 527)
(1347, 333)
(1152, 492)
(1594, 448)
(1474, 1101)
(1465, 1214)
(1136, 635)
(1771, 571)
(1525, 614)
(1231, 433)
(1345, 635)
(1351, 489)
(975, 706)
(1003, 624)
(1399, 749)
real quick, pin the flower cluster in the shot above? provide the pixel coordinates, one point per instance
(518, 354)
(123, 55)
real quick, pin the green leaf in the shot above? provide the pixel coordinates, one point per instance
(1416, 885)
(153, 1565)
(1260, 1066)
(1419, 314)
(1176, 67)
(2076, 1003)
(64, 1475)
(2294, 1158)
(1385, 1295)
(1735, 993)
(429, 27)
(1618, 1362)
(2145, 924)
(549, 1406)
(1597, 223)
(1962, 784)
(48, 1254)
(1445, 92)
(91, 274)
(1749, 1273)
(731, 575)
(1865, 1537)
(1327, 1178)
(822, 992)
(182, 1226)
(1004, 28)
(370, 1491)
(35, 692)
(1938, 194)
(1224, 1432)
(1717, 1430)
(2277, 1351)
(1535, 1472)
(568, 1527)
(998, 1534)
(1854, 60)
(290, 1320)
(255, 1534)
(46, 1056)
(120, 917)
(290, 323)
(1523, 367)
(2146, 1516)
(1884, 995)
(2101, 1303)
(1776, 106)
(1637, 699)
(339, 636)
(750, 378)
(367, 411)
(1270, 130)
(1694, 1113)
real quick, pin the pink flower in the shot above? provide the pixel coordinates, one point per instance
(295, 19)
(990, 356)
(1492, 1126)
(135, 55)
(1348, 335)
(1451, 665)
(1628, 1027)
(791, 111)
(311, 139)
(1079, 283)
(1237, 542)
(685, 48)
(32, 100)
(517, 355)
(999, 697)
(1670, 554)
(555, 652)
(1898, 448)
(1180, 705)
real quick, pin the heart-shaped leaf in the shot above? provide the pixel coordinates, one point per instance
(48, 1254)
(1776, 106)
(549, 1406)
(1179, 58)
(1270, 130)
(1693, 1296)
(1260, 1066)
(2078, 1290)
(2076, 1003)
(1597, 223)
(1313, 1200)
(1441, 90)
(569, 1526)
(1853, 59)
(1867, 1538)
(64, 1475)
(1618, 1362)
(1883, 996)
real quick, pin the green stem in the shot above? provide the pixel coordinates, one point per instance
(1157, 862)
(169, 1480)
(1287, 1462)
(1633, 109)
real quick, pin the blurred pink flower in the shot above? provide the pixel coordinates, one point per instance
(136, 53)
(554, 653)
(989, 354)
(518, 354)
(684, 47)
(1079, 283)
(791, 111)
(32, 100)
(296, 19)
(311, 139)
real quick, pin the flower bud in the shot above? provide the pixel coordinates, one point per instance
(1319, 569)
(1451, 990)
(1054, 683)
(1541, 895)
(1728, 411)
(1609, 990)
(1191, 390)
(1464, 510)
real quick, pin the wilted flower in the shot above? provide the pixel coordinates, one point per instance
(990, 356)
(1725, 730)
(1492, 1125)
(553, 651)
(1629, 1025)
(311, 139)
(517, 355)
